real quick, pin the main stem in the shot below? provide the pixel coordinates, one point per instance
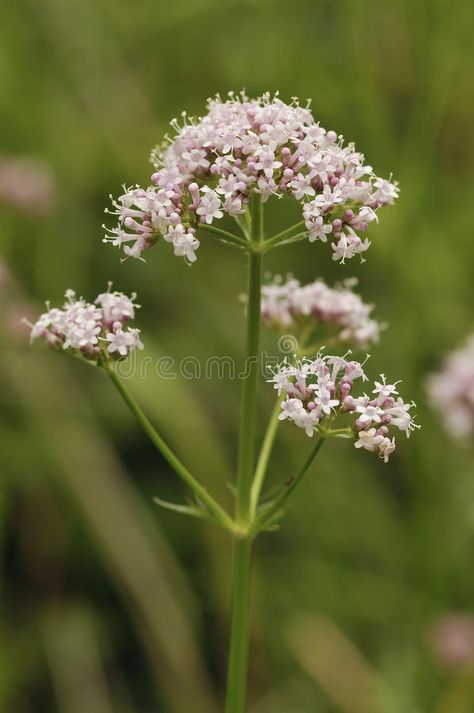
(239, 641)
(248, 414)
(242, 550)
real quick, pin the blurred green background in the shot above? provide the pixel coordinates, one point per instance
(111, 605)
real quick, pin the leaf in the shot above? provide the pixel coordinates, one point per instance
(191, 510)
(232, 488)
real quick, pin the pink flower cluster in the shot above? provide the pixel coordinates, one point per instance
(451, 639)
(212, 164)
(95, 331)
(340, 311)
(27, 183)
(319, 390)
(451, 391)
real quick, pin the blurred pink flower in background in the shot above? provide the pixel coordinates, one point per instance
(27, 183)
(451, 390)
(451, 640)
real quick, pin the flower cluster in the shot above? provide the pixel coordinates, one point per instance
(451, 391)
(95, 331)
(290, 305)
(318, 390)
(212, 164)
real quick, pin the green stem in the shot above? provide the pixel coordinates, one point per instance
(238, 655)
(201, 493)
(242, 223)
(275, 239)
(228, 238)
(279, 502)
(264, 457)
(239, 639)
(288, 241)
(248, 414)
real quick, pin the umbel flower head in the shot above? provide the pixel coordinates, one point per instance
(212, 165)
(95, 331)
(336, 313)
(318, 391)
(451, 391)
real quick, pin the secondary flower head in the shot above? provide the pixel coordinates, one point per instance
(211, 165)
(451, 391)
(334, 313)
(319, 390)
(96, 331)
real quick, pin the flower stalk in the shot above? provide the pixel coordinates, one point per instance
(276, 505)
(218, 513)
(263, 458)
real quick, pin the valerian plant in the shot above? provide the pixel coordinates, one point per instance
(231, 162)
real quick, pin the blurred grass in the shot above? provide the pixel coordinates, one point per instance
(88, 87)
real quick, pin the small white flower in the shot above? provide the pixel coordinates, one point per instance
(266, 161)
(400, 416)
(123, 341)
(291, 408)
(386, 447)
(209, 206)
(186, 246)
(368, 440)
(196, 158)
(368, 413)
(301, 186)
(386, 191)
(318, 230)
(116, 306)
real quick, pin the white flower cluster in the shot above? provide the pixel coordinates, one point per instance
(320, 389)
(451, 391)
(212, 164)
(96, 331)
(290, 305)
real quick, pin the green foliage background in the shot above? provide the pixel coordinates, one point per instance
(109, 604)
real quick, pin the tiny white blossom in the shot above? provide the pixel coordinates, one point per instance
(122, 340)
(209, 206)
(301, 186)
(318, 230)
